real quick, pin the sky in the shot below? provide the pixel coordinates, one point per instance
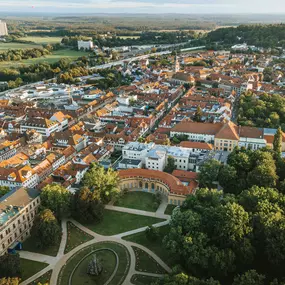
(144, 6)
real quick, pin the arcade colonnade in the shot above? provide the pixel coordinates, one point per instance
(152, 186)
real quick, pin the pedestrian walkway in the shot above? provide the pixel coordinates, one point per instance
(157, 214)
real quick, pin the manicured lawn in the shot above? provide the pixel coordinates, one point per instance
(44, 279)
(138, 200)
(155, 246)
(117, 222)
(139, 279)
(42, 40)
(54, 57)
(145, 263)
(169, 209)
(108, 263)
(75, 237)
(30, 245)
(30, 268)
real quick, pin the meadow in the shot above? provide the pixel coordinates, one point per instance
(54, 57)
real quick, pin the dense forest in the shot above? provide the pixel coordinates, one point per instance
(265, 110)
(259, 35)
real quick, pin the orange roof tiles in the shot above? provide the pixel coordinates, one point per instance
(197, 145)
(228, 131)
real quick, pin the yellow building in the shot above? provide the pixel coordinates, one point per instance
(227, 138)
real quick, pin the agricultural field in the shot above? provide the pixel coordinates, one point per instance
(54, 57)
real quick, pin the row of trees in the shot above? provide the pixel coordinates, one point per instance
(21, 54)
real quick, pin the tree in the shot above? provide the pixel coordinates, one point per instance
(151, 233)
(10, 265)
(10, 281)
(4, 190)
(228, 179)
(46, 229)
(250, 277)
(198, 115)
(232, 223)
(170, 166)
(104, 182)
(56, 198)
(209, 172)
(87, 206)
(277, 143)
(263, 175)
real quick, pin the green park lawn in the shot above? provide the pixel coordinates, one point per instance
(155, 246)
(75, 237)
(117, 222)
(145, 263)
(139, 279)
(42, 40)
(138, 200)
(52, 58)
(30, 245)
(108, 261)
(169, 209)
(29, 268)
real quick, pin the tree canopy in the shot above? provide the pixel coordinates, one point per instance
(56, 198)
(10, 266)
(106, 183)
(87, 206)
(46, 229)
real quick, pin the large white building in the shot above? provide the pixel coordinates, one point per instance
(3, 29)
(86, 45)
(155, 157)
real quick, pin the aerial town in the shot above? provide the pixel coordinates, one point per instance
(93, 174)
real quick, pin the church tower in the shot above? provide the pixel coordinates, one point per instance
(177, 64)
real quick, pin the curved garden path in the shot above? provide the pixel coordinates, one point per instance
(56, 263)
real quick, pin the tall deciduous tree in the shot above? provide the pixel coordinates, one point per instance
(87, 206)
(198, 115)
(170, 165)
(209, 172)
(277, 143)
(56, 198)
(104, 182)
(10, 265)
(46, 229)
